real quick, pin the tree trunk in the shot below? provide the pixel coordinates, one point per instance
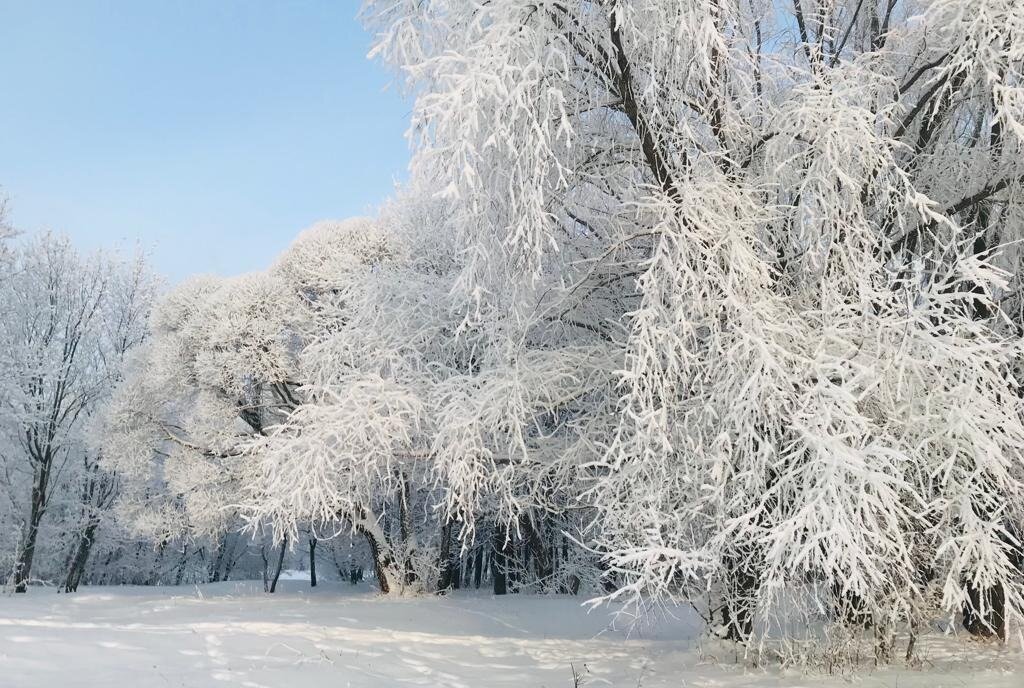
(478, 567)
(280, 563)
(312, 562)
(154, 576)
(266, 568)
(180, 575)
(136, 566)
(499, 560)
(407, 533)
(572, 585)
(381, 555)
(456, 575)
(467, 569)
(77, 568)
(444, 558)
(69, 560)
(231, 559)
(27, 552)
(985, 611)
(539, 553)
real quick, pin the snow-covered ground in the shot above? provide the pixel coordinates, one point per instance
(231, 634)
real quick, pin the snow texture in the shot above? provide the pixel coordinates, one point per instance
(229, 634)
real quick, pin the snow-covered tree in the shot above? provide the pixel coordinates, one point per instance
(215, 369)
(406, 412)
(349, 451)
(782, 226)
(68, 322)
(221, 369)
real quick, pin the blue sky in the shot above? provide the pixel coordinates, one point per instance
(210, 131)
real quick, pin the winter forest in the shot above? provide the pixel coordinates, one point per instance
(699, 312)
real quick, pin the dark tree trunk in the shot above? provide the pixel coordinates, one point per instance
(381, 560)
(74, 576)
(467, 569)
(161, 553)
(280, 563)
(180, 575)
(650, 145)
(69, 560)
(27, 552)
(136, 566)
(500, 549)
(537, 551)
(478, 567)
(456, 574)
(985, 612)
(447, 577)
(572, 585)
(312, 562)
(266, 568)
(498, 573)
(234, 555)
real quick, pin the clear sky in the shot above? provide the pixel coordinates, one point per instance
(211, 131)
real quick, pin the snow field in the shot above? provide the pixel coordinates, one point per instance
(231, 634)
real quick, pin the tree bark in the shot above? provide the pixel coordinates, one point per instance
(478, 567)
(500, 549)
(27, 552)
(985, 612)
(623, 78)
(444, 558)
(407, 532)
(312, 561)
(380, 564)
(456, 574)
(74, 576)
(266, 568)
(180, 575)
(380, 552)
(232, 558)
(280, 563)
(538, 552)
